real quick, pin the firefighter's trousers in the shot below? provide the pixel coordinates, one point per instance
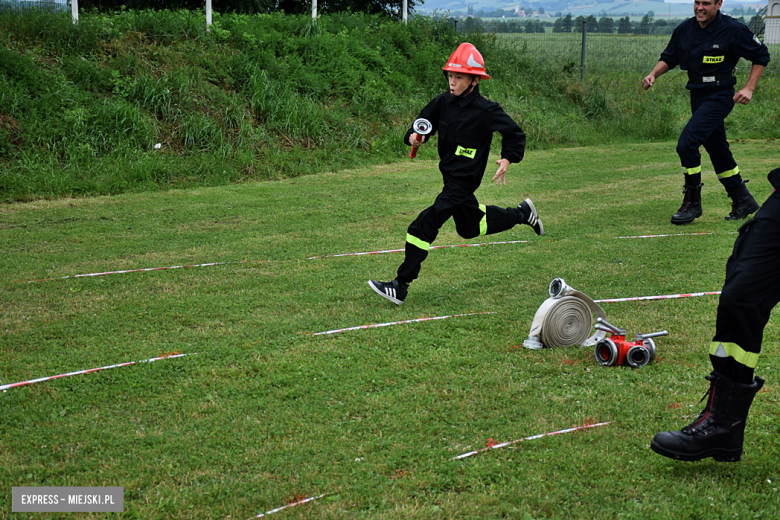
(751, 291)
(706, 128)
(472, 219)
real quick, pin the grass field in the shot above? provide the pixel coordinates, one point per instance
(262, 411)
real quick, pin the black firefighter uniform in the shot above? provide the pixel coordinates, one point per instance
(710, 55)
(465, 126)
(751, 291)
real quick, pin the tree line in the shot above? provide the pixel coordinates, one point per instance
(648, 25)
(568, 24)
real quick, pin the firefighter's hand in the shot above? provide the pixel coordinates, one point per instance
(743, 96)
(500, 175)
(416, 140)
(648, 81)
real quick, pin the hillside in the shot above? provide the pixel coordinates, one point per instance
(148, 100)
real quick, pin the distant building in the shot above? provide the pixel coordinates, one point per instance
(772, 30)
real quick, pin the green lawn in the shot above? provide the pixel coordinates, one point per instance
(265, 411)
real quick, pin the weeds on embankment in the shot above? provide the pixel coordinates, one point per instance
(144, 100)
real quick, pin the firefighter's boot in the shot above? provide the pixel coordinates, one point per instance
(691, 206)
(742, 202)
(718, 431)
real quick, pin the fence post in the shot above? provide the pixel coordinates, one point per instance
(74, 11)
(208, 14)
(456, 26)
(314, 9)
(582, 58)
(406, 8)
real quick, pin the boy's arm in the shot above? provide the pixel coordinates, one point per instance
(512, 137)
(500, 175)
(512, 141)
(431, 113)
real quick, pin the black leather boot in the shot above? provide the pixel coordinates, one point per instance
(691, 206)
(719, 430)
(742, 202)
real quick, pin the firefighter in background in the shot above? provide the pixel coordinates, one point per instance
(751, 291)
(465, 122)
(708, 46)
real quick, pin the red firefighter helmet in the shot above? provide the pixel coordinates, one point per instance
(467, 60)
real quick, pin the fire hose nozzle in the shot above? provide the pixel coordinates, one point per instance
(422, 127)
(558, 288)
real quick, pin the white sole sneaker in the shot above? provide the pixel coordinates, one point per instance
(386, 291)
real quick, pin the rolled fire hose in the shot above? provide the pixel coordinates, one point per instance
(565, 319)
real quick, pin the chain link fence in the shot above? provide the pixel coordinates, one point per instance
(599, 48)
(52, 5)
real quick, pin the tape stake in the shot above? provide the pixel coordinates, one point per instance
(532, 437)
(135, 271)
(663, 297)
(90, 370)
(670, 235)
(272, 511)
(430, 249)
(359, 327)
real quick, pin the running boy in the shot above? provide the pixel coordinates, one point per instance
(465, 121)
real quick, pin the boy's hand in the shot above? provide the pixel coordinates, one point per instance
(500, 175)
(416, 140)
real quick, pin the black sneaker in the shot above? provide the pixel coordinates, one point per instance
(531, 218)
(394, 291)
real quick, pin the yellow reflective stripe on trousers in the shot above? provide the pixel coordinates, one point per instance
(723, 350)
(728, 173)
(692, 171)
(483, 222)
(425, 246)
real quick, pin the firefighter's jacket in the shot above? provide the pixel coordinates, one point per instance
(465, 127)
(710, 54)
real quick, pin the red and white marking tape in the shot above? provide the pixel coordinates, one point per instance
(663, 297)
(505, 444)
(430, 249)
(135, 271)
(397, 323)
(305, 500)
(39, 380)
(670, 235)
